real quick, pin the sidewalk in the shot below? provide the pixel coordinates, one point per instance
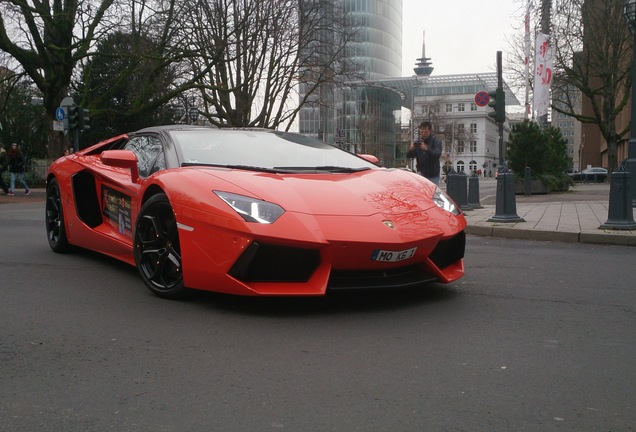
(574, 216)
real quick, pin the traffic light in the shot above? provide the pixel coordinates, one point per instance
(498, 103)
(73, 117)
(83, 122)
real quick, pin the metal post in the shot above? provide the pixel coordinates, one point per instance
(630, 162)
(506, 208)
(463, 191)
(620, 213)
(527, 182)
(456, 189)
(473, 192)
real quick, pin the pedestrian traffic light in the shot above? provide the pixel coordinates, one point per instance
(83, 122)
(73, 117)
(498, 103)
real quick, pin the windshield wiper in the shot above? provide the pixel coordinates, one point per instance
(328, 168)
(241, 167)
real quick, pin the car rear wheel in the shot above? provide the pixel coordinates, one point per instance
(55, 231)
(156, 248)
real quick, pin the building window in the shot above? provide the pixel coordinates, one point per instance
(473, 106)
(473, 146)
(449, 107)
(461, 107)
(473, 128)
(460, 146)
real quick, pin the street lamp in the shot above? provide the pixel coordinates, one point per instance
(629, 10)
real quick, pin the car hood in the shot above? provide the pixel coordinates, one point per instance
(389, 192)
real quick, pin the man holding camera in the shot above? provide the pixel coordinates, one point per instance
(427, 151)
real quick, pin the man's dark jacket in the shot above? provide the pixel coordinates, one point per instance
(427, 161)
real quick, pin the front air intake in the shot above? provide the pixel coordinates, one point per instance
(449, 251)
(272, 263)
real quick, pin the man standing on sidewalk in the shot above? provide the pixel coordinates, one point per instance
(4, 161)
(427, 151)
(16, 168)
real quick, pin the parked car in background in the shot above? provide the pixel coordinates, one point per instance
(593, 174)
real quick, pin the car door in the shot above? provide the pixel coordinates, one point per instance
(120, 196)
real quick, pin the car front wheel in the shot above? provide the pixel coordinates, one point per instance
(156, 248)
(54, 217)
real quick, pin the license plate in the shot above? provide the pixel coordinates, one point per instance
(392, 256)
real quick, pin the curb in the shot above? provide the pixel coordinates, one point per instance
(617, 238)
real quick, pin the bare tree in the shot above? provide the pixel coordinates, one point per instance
(593, 47)
(134, 74)
(260, 51)
(592, 50)
(47, 39)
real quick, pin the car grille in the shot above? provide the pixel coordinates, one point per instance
(402, 277)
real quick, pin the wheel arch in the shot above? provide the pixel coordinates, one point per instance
(151, 191)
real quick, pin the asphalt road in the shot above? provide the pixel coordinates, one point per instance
(536, 337)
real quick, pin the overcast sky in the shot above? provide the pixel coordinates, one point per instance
(462, 36)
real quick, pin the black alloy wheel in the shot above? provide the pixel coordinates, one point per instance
(55, 230)
(156, 248)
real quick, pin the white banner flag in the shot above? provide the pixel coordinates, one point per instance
(542, 74)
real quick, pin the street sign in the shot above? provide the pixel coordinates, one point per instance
(58, 126)
(482, 98)
(60, 114)
(67, 101)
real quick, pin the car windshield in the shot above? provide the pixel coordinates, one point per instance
(268, 150)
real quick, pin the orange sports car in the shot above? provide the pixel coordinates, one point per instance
(252, 212)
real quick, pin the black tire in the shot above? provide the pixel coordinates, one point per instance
(54, 217)
(156, 248)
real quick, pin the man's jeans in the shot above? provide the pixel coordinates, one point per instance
(21, 178)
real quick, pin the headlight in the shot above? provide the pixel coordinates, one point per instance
(443, 201)
(252, 209)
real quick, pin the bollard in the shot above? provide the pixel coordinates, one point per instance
(506, 208)
(473, 192)
(456, 189)
(527, 182)
(453, 186)
(463, 189)
(620, 213)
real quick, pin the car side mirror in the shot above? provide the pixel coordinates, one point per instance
(370, 158)
(122, 159)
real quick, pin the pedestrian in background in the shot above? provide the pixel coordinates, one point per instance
(427, 151)
(16, 168)
(4, 162)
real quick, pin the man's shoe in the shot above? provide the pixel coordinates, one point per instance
(27, 192)
(10, 194)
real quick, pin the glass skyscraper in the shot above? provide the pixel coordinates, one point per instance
(362, 116)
